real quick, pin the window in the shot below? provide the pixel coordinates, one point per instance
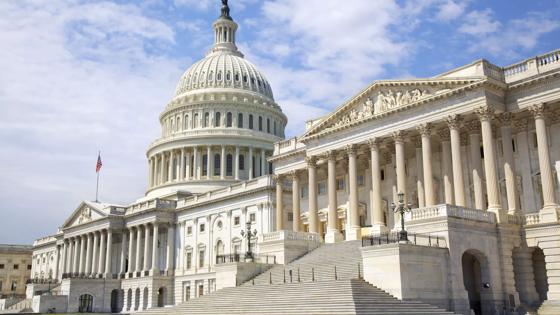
(16, 267)
(290, 217)
(14, 286)
(206, 120)
(322, 188)
(219, 76)
(186, 122)
(195, 121)
(201, 254)
(236, 220)
(304, 191)
(229, 120)
(229, 165)
(28, 267)
(1, 266)
(513, 145)
(217, 119)
(0, 286)
(252, 217)
(250, 121)
(361, 180)
(382, 174)
(275, 132)
(189, 260)
(340, 184)
(237, 77)
(228, 76)
(211, 76)
(260, 123)
(189, 230)
(268, 125)
(204, 165)
(241, 162)
(240, 120)
(202, 228)
(245, 79)
(217, 165)
(220, 225)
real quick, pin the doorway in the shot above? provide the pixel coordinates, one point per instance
(472, 280)
(86, 303)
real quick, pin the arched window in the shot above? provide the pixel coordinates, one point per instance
(268, 125)
(206, 120)
(228, 76)
(260, 123)
(250, 121)
(237, 77)
(229, 165)
(245, 78)
(186, 122)
(241, 162)
(211, 76)
(195, 121)
(178, 125)
(240, 120)
(229, 120)
(219, 76)
(217, 165)
(217, 119)
(204, 165)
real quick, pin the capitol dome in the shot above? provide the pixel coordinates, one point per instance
(220, 126)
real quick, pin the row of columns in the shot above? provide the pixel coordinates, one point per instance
(148, 234)
(82, 255)
(454, 184)
(189, 165)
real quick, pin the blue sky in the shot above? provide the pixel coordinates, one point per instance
(81, 76)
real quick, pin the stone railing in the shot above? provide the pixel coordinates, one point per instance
(151, 204)
(290, 235)
(532, 218)
(445, 210)
(287, 146)
(532, 66)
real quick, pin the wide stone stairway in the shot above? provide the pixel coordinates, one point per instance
(312, 288)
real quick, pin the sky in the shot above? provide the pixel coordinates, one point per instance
(79, 77)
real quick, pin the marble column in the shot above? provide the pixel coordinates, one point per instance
(447, 166)
(426, 132)
(76, 251)
(82, 254)
(454, 124)
(162, 169)
(146, 247)
(236, 164)
(89, 245)
(476, 165)
(131, 244)
(155, 250)
(181, 266)
(170, 253)
(333, 234)
(181, 176)
(102, 252)
(151, 171)
(263, 163)
(95, 253)
(279, 203)
(109, 255)
(223, 163)
(547, 181)
(312, 191)
(251, 168)
(296, 198)
(196, 164)
(188, 166)
(209, 164)
(419, 173)
(377, 222)
(509, 168)
(353, 230)
(486, 115)
(528, 201)
(400, 162)
(64, 255)
(124, 245)
(138, 248)
(171, 167)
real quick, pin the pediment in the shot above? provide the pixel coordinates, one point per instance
(84, 213)
(384, 97)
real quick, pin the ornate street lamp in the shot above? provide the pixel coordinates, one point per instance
(401, 208)
(249, 234)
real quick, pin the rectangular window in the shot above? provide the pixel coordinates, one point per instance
(0, 286)
(252, 218)
(14, 286)
(28, 267)
(236, 248)
(202, 228)
(1, 266)
(361, 180)
(322, 188)
(16, 267)
(189, 260)
(290, 217)
(236, 220)
(189, 230)
(340, 184)
(201, 258)
(304, 191)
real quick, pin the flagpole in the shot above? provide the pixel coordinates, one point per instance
(97, 185)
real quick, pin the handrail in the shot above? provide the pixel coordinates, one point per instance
(414, 239)
(305, 274)
(256, 258)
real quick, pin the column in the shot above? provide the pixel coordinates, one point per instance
(155, 250)
(94, 254)
(425, 132)
(181, 176)
(377, 222)
(76, 251)
(476, 160)
(123, 252)
(209, 170)
(138, 248)
(182, 246)
(528, 202)
(100, 269)
(353, 230)
(251, 170)
(485, 115)
(150, 172)
(64, 255)
(509, 168)
(170, 168)
(419, 172)
(188, 166)
(312, 190)
(88, 254)
(279, 203)
(333, 234)
(162, 169)
(398, 137)
(170, 249)
(296, 198)
(263, 162)
(547, 181)
(82, 254)
(196, 164)
(454, 124)
(236, 163)
(109, 255)
(146, 247)
(447, 168)
(223, 163)
(130, 250)
(155, 179)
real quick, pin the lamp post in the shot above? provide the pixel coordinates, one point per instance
(401, 208)
(248, 234)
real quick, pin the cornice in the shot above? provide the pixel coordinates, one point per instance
(287, 154)
(534, 80)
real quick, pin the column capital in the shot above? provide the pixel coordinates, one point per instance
(520, 125)
(373, 144)
(454, 121)
(417, 141)
(505, 119)
(331, 155)
(485, 113)
(444, 135)
(311, 161)
(473, 126)
(425, 129)
(352, 149)
(294, 175)
(278, 177)
(398, 136)
(538, 110)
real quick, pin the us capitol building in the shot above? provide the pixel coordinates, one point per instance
(470, 156)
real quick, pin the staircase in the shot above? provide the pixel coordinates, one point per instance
(23, 306)
(318, 265)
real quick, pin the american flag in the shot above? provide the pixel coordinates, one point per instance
(99, 164)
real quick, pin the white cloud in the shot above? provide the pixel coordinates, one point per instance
(450, 10)
(480, 23)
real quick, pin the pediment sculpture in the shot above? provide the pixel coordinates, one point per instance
(385, 101)
(85, 215)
